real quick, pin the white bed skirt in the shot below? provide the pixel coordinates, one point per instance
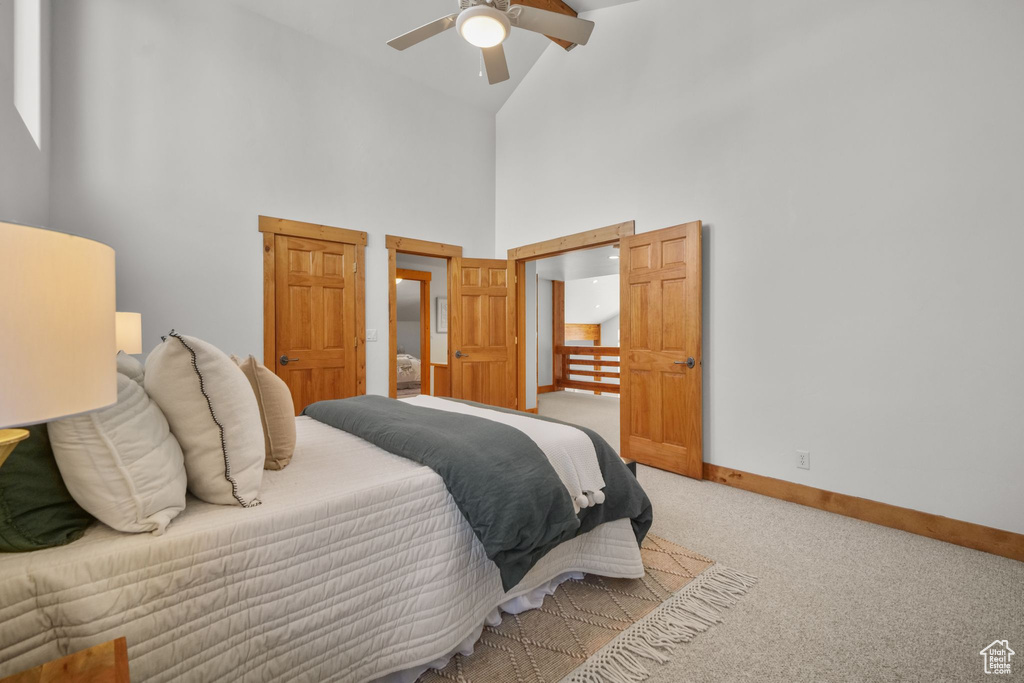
(532, 600)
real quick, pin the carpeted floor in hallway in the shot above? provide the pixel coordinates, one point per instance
(837, 599)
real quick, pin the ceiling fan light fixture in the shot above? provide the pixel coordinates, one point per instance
(483, 26)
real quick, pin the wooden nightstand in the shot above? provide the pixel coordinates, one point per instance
(106, 663)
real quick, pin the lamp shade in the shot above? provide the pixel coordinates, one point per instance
(129, 332)
(57, 342)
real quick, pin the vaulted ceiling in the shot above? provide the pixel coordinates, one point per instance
(446, 63)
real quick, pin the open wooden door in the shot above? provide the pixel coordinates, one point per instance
(483, 323)
(316, 324)
(660, 304)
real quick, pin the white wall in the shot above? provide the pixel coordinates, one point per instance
(610, 332)
(858, 167)
(591, 300)
(176, 124)
(409, 338)
(545, 333)
(407, 323)
(24, 165)
(438, 269)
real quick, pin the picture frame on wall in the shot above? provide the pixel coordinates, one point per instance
(442, 315)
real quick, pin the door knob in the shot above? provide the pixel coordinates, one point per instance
(689, 362)
(285, 360)
(460, 354)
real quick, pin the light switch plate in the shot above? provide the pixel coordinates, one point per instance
(371, 335)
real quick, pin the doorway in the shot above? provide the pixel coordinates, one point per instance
(656, 363)
(314, 325)
(574, 299)
(526, 260)
(415, 322)
(421, 274)
(480, 315)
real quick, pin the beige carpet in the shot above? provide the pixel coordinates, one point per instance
(602, 629)
(600, 413)
(836, 599)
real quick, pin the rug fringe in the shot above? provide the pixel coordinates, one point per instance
(689, 612)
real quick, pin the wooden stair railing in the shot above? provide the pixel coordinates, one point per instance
(568, 355)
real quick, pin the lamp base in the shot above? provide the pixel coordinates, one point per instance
(9, 438)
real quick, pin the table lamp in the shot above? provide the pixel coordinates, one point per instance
(58, 354)
(129, 333)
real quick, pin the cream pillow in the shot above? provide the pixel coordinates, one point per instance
(213, 413)
(277, 412)
(121, 464)
(130, 367)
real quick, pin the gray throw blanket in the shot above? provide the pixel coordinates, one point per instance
(500, 479)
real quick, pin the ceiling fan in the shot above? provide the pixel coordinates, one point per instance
(487, 23)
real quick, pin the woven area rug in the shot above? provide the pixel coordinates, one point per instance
(602, 630)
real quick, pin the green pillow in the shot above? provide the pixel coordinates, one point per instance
(36, 510)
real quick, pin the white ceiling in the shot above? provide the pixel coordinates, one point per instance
(592, 300)
(446, 63)
(575, 265)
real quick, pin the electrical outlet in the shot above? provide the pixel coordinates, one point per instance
(803, 460)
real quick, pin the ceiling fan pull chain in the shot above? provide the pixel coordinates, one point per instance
(481, 74)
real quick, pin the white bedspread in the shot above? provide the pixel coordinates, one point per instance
(569, 450)
(357, 564)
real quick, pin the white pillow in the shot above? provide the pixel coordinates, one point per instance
(213, 413)
(130, 367)
(121, 464)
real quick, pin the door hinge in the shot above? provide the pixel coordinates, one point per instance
(355, 266)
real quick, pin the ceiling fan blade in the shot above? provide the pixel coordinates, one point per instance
(418, 35)
(497, 65)
(552, 24)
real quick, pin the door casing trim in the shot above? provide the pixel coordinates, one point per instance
(518, 258)
(423, 278)
(406, 245)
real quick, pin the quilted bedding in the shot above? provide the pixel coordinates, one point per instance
(357, 564)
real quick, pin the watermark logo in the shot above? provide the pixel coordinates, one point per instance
(997, 657)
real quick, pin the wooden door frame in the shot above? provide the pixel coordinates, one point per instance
(423, 277)
(407, 245)
(520, 256)
(272, 227)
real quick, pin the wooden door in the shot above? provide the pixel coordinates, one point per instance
(483, 363)
(660, 304)
(316, 333)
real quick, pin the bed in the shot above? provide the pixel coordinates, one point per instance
(358, 565)
(408, 371)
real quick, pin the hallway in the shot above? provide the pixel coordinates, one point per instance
(600, 413)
